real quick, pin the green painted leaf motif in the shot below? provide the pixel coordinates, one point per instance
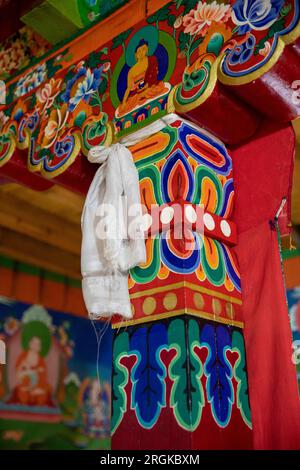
(196, 44)
(121, 38)
(286, 9)
(120, 377)
(160, 15)
(240, 374)
(277, 27)
(94, 100)
(94, 59)
(32, 101)
(52, 69)
(171, 20)
(4, 141)
(178, 3)
(187, 397)
(189, 5)
(103, 86)
(183, 39)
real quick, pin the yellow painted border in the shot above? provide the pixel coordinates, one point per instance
(194, 287)
(176, 313)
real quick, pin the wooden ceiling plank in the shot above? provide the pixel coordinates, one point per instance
(56, 201)
(29, 220)
(25, 249)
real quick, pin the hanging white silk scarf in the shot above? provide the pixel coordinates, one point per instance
(109, 250)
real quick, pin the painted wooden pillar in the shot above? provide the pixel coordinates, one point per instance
(179, 367)
(179, 378)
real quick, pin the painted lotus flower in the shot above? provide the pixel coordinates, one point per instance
(199, 20)
(51, 130)
(255, 14)
(85, 83)
(47, 94)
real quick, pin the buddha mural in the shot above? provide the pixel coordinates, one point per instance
(32, 387)
(141, 79)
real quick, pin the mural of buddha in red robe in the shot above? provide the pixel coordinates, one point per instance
(32, 387)
(142, 80)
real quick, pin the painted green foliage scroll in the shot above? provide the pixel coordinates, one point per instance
(204, 361)
(120, 378)
(187, 397)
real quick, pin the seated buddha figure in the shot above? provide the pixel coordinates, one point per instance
(32, 388)
(142, 81)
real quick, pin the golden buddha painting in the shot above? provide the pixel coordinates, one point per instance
(142, 77)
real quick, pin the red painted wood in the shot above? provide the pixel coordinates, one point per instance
(79, 176)
(296, 47)
(15, 170)
(226, 116)
(272, 94)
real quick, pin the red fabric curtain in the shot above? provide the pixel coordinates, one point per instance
(263, 170)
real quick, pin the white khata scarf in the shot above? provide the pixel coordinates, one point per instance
(112, 239)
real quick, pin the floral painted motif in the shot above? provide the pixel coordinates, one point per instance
(255, 14)
(199, 20)
(56, 122)
(31, 81)
(242, 52)
(188, 46)
(80, 88)
(46, 95)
